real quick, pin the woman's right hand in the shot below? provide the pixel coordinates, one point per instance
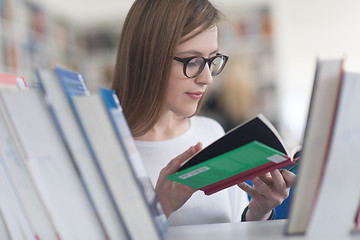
(173, 195)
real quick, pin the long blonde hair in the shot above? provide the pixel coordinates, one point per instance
(237, 93)
(150, 33)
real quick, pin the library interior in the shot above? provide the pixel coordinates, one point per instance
(281, 53)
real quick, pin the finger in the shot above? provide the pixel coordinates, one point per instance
(289, 177)
(261, 188)
(198, 146)
(248, 189)
(267, 179)
(279, 182)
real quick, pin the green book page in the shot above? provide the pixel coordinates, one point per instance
(226, 165)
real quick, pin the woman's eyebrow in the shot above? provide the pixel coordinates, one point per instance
(194, 52)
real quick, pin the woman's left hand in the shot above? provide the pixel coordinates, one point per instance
(268, 191)
(173, 195)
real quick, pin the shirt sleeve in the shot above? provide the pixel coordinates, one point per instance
(243, 216)
(238, 202)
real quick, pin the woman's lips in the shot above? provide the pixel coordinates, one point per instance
(195, 95)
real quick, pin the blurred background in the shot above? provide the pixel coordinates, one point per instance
(273, 46)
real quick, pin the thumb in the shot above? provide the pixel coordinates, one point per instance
(198, 146)
(175, 164)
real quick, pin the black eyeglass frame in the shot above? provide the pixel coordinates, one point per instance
(185, 61)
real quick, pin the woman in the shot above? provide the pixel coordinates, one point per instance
(167, 56)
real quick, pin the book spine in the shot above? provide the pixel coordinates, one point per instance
(244, 176)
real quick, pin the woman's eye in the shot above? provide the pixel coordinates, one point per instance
(195, 62)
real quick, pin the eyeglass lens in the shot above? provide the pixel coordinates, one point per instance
(196, 65)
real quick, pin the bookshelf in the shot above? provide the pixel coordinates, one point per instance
(31, 37)
(26, 41)
(249, 230)
(100, 49)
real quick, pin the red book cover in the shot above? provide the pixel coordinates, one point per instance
(12, 81)
(244, 176)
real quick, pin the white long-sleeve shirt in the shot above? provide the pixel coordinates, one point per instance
(224, 206)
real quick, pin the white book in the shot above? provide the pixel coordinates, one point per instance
(115, 168)
(32, 202)
(337, 203)
(50, 166)
(4, 234)
(16, 221)
(121, 127)
(68, 126)
(357, 220)
(321, 117)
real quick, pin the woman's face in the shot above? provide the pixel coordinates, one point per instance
(183, 94)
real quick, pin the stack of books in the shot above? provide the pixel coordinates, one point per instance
(72, 168)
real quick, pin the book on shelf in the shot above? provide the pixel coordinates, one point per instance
(357, 219)
(125, 137)
(23, 182)
(58, 89)
(16, 221)
(4, 234)
(317, 135)
(72, 82)
(115, 166)
(15, 166)
(247, 151)
(338, 197)
(49, 165)
(11, 81)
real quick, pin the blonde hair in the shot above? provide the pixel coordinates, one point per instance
(150, 33)
(238, 91)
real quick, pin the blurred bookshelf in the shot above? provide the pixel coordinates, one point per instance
(248, 84)
(30, 38)
(100, 48)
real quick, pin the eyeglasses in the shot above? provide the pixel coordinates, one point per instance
(193, 66)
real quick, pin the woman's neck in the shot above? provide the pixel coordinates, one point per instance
(167, 127)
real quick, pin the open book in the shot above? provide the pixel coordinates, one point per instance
(247, 151)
